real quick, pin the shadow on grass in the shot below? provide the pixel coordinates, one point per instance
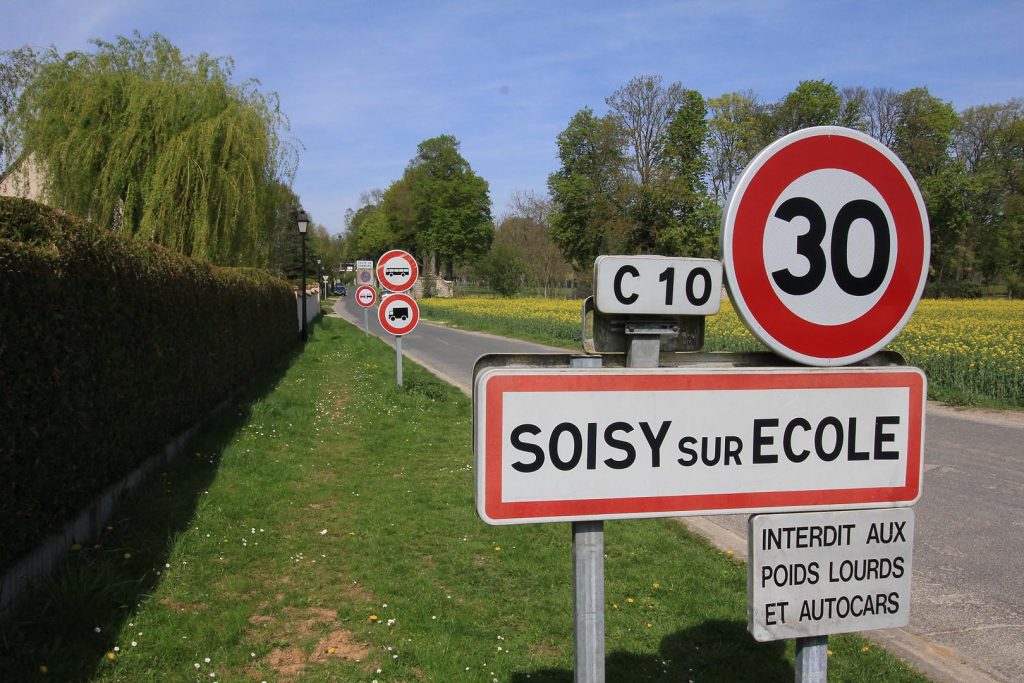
(68, 625)
(720, 651)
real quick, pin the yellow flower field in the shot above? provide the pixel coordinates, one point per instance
(971, 350)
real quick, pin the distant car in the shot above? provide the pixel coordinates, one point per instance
(340, 290)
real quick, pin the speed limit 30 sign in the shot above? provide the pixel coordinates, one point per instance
(825, 242)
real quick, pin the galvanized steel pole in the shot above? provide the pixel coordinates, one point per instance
(588, 585)
(812, 659)
(398, 357)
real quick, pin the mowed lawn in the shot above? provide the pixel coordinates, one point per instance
(324, 529)
(971, 350)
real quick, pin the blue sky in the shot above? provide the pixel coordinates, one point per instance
(363, 82)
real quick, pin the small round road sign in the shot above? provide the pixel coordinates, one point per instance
(826, 244)
(366, 296)
(397, 270)
(398, 314)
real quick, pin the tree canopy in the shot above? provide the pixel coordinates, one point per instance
(651, 175)
(438, 210)
(137, 136)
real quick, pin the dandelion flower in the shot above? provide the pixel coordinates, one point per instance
(111, 656)
(330, 650)
(43, 669)
(656, 584)
(629, 600)
(865, 649)
(497, 548)
(373, 617)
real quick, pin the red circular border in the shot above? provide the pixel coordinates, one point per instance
(362, 287)
(383, 320)
(792, 161)
(408, 258)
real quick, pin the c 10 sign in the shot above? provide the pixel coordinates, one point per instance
(575, 444)
(657, 285)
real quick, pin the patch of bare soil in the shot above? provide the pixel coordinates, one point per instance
(297, 625)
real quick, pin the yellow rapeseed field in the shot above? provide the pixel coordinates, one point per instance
(971, 350)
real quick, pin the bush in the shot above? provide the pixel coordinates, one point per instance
(503, 270)
(109, 347)
(954, 289)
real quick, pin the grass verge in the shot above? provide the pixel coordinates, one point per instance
(325, 530)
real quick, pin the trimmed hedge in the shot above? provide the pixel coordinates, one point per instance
(108, 348)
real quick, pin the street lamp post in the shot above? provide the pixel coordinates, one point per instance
(319, 274)
(303, 220)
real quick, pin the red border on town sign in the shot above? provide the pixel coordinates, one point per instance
(653, 506)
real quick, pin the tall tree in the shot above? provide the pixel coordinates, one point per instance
(812, 103)
(450, 205)
(586, 190)
(17, 69)
(882, 107)
(923, 134)
(644, 109)
(738, 129)
(163, 145)
(527, 229)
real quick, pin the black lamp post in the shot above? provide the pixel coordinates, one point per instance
(303, 220)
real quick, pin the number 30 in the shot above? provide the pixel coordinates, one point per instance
(809, 245)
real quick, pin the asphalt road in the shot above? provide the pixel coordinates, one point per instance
(967, 611)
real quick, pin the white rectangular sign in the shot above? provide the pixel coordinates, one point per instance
(364, 265)
(576, 444)
(811, 574)
(658, 285)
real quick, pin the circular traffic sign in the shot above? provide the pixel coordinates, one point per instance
(397, 270)
(366, 296)
(825, 243)
(365, 277)
(398, 314)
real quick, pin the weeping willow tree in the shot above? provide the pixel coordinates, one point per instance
(163, 146)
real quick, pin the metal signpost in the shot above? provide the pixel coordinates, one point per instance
(398, 314)
(825, 245)
(366, 297)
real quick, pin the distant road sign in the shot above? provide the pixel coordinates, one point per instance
(816, 573)
(398, 314)
(657, 285)
(826, 245)
(397, 270)
(364, 272)
(575, 444)
(366, 296)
